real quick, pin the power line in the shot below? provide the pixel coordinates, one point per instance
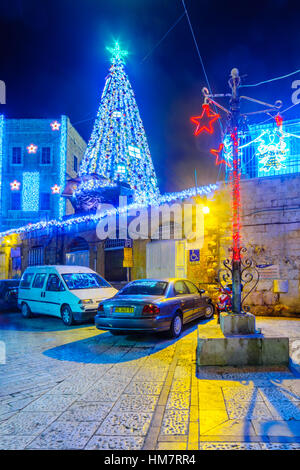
(164, 36)
(196, 45)
(202, 65)
(271, 79)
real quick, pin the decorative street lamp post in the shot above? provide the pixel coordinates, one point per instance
(236, 268)
(234, 83)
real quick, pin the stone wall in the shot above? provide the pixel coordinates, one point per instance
(271, 233)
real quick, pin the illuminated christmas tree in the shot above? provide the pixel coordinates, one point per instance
(118, 151)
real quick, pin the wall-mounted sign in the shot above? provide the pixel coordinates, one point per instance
(128, 243)
(194, 256)
(127, 261)
(268, 271)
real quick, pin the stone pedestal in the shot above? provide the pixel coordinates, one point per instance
(232, 324)
(214, 348)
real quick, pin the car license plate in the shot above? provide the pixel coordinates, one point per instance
(124, 309)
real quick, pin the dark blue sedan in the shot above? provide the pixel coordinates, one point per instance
(153, 305)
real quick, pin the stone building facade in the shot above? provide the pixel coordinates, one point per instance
(270, 224)
(37, 156)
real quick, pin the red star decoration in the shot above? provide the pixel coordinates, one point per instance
(15, 185)
(55, 125)
(55, 189)
(32, 148)
(209, 113)
(216, 153)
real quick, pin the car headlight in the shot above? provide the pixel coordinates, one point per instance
(85, 301)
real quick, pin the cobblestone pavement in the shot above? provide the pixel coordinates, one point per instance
(79, 388)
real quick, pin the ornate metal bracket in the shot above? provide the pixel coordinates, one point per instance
(249, 275)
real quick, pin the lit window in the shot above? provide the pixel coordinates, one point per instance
(46, 156)
(121, 169)
(134, 151)
(16, 156)
(116, 114)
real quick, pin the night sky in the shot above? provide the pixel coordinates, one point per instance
(54, 61)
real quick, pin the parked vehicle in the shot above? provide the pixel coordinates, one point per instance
(9, 294)
(72, 293)
(153, 305)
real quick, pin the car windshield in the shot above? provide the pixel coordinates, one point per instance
(144, 288)
(84, 281)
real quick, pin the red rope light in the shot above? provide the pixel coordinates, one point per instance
(236, 199)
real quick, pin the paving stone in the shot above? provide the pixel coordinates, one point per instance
(271, 394)
(181, 386)
(182, 372)
(151, 375)
(115, 443)
(64, 435)
(242, 393)
(284, 409)
(175, 422)
(50, 402)
(229, 446)
(125, 423)
(27, 423)
(6, 416)
(72, 387)
(172, 446)
(280, 446)
(239, 428)
(14, 442)
(136, 403)
(274, 428)
(20, 403)
(179, 401)
(105, 391)
(144, 388)
(84, 411)
(247, 410)
(5, 409)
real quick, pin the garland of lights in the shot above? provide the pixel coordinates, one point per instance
(224, 153)
(272, 149)
(62, 163)
(30, 191)
(92, 185)
(68, 223)
(118, 148)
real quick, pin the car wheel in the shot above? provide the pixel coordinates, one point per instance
(209, 311)
(176, 326)
(67, 315)
(25, 311)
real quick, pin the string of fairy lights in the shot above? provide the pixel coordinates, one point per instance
(71, 222)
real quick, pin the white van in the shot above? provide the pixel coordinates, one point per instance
(68, 292)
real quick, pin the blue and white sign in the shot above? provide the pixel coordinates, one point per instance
(194, 256)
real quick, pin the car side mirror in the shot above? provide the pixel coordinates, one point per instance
(201, 291)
